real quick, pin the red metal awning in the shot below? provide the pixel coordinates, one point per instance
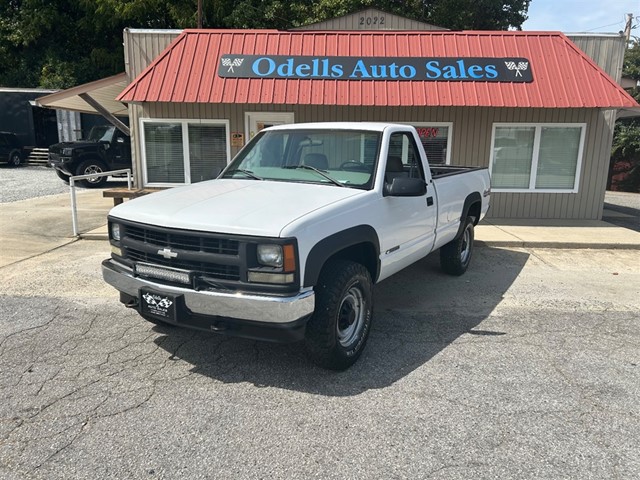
(563, 76)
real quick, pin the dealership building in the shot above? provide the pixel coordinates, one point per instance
(537, 108)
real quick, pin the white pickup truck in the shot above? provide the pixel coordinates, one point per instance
(287, 242)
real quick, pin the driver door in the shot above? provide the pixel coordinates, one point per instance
(410, 222)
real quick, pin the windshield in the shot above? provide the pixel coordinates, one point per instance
(103, 133)
(344, 158)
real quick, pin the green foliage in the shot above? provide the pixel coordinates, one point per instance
(625, 150)
(626, 142)
(631, 65)
(61, 43)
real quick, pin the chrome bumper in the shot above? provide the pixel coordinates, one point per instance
(257, 308)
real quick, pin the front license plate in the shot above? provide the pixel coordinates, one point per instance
(159, 305)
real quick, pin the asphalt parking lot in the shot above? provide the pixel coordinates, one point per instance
(528, 366)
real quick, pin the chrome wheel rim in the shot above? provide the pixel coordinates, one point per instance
(465, 251)
(15, 159)
(351, 316)
(90, 170)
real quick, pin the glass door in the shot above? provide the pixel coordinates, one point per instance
(256, 121)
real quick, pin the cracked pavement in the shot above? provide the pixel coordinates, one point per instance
(528, 366)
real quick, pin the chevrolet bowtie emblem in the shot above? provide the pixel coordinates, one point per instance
(167, 253)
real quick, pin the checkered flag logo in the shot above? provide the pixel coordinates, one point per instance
(164, 303)
(232, 62)
(518, 67)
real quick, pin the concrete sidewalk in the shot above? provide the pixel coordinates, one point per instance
(31, 227)
(38, 225)
(556, 234)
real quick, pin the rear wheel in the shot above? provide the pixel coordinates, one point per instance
(339, 327)
(15, 159)
(455, 256)
(88, 167)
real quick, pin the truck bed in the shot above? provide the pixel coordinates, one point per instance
(448, 170)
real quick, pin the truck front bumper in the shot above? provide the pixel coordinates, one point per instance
(60, 163)
(271, 318)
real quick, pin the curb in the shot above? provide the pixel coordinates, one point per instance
(557, 245)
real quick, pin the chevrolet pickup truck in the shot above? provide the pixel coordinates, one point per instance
(286, 243)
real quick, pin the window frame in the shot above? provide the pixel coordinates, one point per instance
(449, 125)
(411, 143)
(184, 122)
(537, 138)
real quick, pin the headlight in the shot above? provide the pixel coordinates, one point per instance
(115, 231)
(270, 255)
(67, 152)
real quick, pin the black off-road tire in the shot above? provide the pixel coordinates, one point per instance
(338, 330)
(456, 255)
(15, 159)
(91, 166)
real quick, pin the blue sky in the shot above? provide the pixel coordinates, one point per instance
(601, 16)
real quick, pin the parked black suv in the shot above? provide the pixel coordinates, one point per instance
(107, 148)
(10, 149)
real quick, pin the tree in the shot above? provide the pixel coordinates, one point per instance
(625, 153)
(62, 43)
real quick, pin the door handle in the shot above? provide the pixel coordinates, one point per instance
(429, 201)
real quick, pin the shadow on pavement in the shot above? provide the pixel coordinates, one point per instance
(630, 217)
(418, 313)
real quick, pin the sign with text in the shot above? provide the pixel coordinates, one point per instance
(462, 69)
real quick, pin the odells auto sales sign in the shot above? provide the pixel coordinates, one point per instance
(469, 69)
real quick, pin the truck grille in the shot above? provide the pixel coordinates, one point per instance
(183, 241)
(204, 254)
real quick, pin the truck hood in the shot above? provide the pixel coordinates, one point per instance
(244, 207)
(57, 148)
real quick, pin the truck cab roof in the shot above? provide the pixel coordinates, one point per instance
(372, 126)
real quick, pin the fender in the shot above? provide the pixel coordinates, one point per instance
(329, 246)
(96, 156)
(470, 200)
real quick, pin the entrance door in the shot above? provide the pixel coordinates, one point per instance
(256, 121)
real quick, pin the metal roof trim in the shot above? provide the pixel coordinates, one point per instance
(105, 88)
(555, 83)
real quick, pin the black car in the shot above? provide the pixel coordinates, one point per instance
(10, 149)
(106, 149)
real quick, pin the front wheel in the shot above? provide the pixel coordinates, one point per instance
(88, 167)
(455, 256)
(339, 327)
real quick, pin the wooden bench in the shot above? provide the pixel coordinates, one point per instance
(119, 194)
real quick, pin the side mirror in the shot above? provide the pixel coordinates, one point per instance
(405, 187)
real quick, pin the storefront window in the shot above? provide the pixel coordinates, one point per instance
(182, 151)
(207, 150)
(164, 152)
(543, 158)
(435, 138)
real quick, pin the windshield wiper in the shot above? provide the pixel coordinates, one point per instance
(248, 173)
(318, 171)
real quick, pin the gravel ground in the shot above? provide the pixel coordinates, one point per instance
(33, 181)
(28, 182)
